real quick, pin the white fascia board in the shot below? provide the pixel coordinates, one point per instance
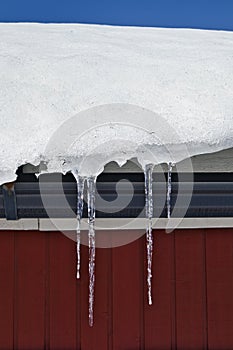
(19, 225)
(135, 224)
(114, 224)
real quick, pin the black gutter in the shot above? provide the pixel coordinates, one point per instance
(212, 196)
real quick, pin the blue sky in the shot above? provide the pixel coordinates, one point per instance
(208, 14)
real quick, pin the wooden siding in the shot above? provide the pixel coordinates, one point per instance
(43, 306)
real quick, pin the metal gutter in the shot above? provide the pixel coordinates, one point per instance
(212, 197)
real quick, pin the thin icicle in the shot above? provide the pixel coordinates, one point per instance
(149, 236)
(91, 184)
(80, 187)
(169, 189)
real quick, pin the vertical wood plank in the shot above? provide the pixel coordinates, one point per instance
(160, 317)
(47, 292)
(128, 301)
(190, 290)
(98, 336)
(219, 255)
(6, 289)
(30, 290)
(62, 292)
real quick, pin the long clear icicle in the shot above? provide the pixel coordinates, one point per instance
(91, 184)
(169, 189)
(80, 187)
(149, 236)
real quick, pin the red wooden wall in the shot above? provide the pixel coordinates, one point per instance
(43, 306)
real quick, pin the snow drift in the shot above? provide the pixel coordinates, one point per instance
(49, 73)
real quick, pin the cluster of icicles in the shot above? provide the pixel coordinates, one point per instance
(91, 188)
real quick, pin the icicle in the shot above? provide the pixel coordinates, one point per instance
(149, 236)
(91, 181)
(80, 187)
(169, 189)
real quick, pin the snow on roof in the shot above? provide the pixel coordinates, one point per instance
(163, 89)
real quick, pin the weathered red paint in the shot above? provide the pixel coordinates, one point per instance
(43, 306)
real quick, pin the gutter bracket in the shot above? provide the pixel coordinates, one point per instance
(9, 199)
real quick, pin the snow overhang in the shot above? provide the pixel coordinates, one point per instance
(79, 96)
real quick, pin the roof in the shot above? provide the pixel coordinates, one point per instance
(169, 90)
